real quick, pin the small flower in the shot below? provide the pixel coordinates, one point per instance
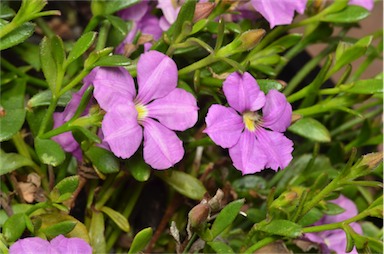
(336, 239)
(367, 4)
(58, 245)
(158, 109)
(255, 141)
(279, 12)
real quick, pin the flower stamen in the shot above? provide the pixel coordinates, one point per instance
(251, 120)
(142, 112)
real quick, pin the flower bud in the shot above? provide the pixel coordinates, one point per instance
(251, 38)
(198, 215)
(203, 10)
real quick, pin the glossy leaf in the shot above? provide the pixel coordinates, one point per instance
(184, 183)
(103, 160)
(226, 216)
(311, 129)
(282, 228)
(81, 46)
(220, 247)
(49, 152)
(114, 6)
(141, 240)
(17, 36)
(61, 228)
(350, 14)
(67, 185)
(367, 86)
(6, 11)
(96, 232)
(14, 227)
(117, 217)
(333, 209)
(13, 113)
(111, 61)
(269, 84)
(43, 98)
(139, 169)
(12, 161)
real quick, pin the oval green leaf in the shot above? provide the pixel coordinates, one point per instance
(48, 63)
(311, 129)
(141, 240)
(49, 152)
(12, 161)
(43, 98)
(14, 227)
(61, 228)
(111, 61)
(282, 227)
(17, 36)
(96, 232)
(80, 46)
(184, 183)
(117, 217)
(350, 14)
(103, 160)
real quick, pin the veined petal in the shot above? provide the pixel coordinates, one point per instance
(156, 75)
(247, 155)
(70, 245)
(122, 131)
(162, 147)
(177, 110)
(276, 147)
(224, 125)
(32, 245)
(112, 85)
(243, 93)
(277, 112)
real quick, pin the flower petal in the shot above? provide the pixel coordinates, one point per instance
(70, 245)
(156, 75)
(224, 125)
(345, 203)
(176, 111)
(122, 131)
(243, 93)
(247, 155)
(32, 245)
(277, 112)
(112, 85)
(276, 147)
(162, 147)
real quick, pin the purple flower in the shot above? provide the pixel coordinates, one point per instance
(336, 239)
(58, 245)
(279, 12)
(155, 112)
(367, 4)
(142, 21)
(255, 141)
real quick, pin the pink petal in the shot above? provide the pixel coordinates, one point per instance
(169, 9)
(345, 203)
(122, 131)
(156, 75)
(243, 92)
(367, 4)
(32, 245)
(276, 147)
(134, 12)
(162, 147)
(277, 112)
(247, 155)
(71, 245)
(177, 110)
(112, 85)
(224, 125)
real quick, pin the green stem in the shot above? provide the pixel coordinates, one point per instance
(46, 29)
(8, 28)
(48, 115)
(197, 65)
(74, 82)
(103, 34)
(110, 190)
(191, 241)
(260, 244)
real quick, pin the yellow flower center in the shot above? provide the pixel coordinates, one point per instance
(142, 111)
(251, 120)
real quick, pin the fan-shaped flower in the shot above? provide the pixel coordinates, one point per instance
(255, 141)
(155, 112)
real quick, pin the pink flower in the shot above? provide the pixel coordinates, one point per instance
(336, 239)
(58, 245)
(367, 4)
(279, 12)
(255, 141)
(155, 112)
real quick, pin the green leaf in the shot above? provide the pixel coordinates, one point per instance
(367, 86)
(17, 36)
(226, 216)
(81, 46)
(67, 185)
(49, 152)
(141, 240)
(29, 52)
(311, 129)
(281, 227)
(117, 217)
(333, 209)
(245, 185)
(139, 169)
(96, 232)
(350, 14)
(112, 61)
(6, 11)
(43, 98)
(58, 51)
(16, 208)
(269, 84)
(103, 160)
(186, 14)
(184, 183)
(61, 228)
(220, 247)
(114, 6)
(311, 217)
(14, 227)
(13, 115)
(12, 161)
(119, 24)
(48, 63)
